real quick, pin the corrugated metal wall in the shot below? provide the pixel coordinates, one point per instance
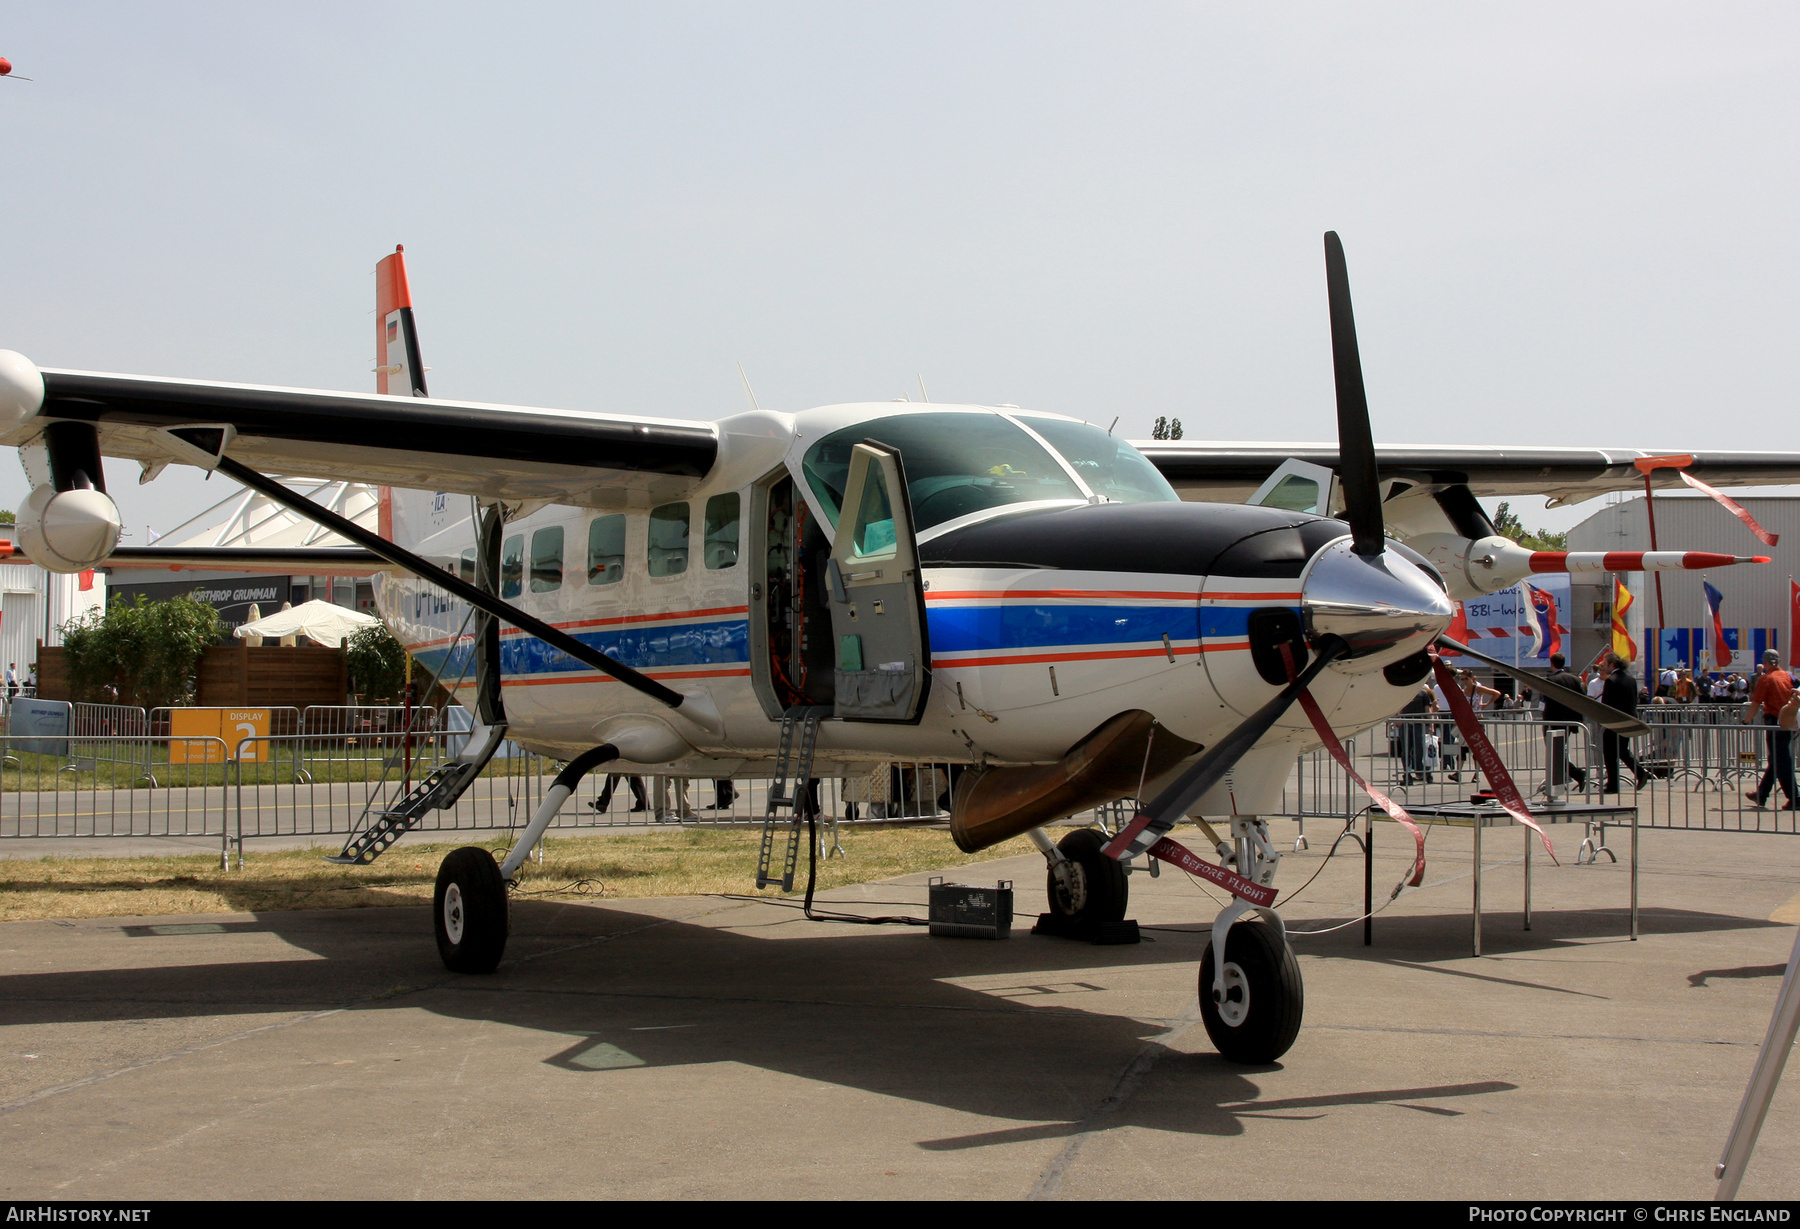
(1755, 595)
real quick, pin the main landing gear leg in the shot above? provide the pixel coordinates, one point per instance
(1088, 891)
(470, 905)
(1251, 1000)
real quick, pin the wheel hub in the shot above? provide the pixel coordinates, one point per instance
(1234, 1007)
(453, 913)
(1071, 886)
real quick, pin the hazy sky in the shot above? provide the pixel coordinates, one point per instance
(1565, 224)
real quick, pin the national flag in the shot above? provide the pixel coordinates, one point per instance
(1621, 635)
(1715, 599)
(1793, 617)
(1543, 618)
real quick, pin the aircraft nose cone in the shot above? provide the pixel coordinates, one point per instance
(1385, 607)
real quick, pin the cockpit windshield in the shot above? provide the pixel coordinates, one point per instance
(1109, 465)
(958, 463)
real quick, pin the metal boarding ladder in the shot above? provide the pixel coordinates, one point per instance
(789, 789)
(440, 789)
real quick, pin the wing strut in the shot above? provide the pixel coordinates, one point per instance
(448, 581)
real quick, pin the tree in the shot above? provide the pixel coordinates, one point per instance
(1510, 526)
(377, 663)
(143, 652)
(7, 517)
(1166, 429)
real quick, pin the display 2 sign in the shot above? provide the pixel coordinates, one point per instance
(192, 731)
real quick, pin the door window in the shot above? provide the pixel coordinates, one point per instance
(512, 566)
(546, 559)
(721, 544)
(874, 523)
(669, 540)
(606, 550)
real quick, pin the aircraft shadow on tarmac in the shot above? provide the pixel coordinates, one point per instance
(876, 1010)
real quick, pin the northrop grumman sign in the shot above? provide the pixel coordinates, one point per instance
(231, 598)
(226, 597)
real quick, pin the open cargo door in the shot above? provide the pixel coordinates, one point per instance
(877, 594)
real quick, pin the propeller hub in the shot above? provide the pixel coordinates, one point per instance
(1384, 607)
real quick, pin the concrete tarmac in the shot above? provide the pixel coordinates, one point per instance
(711, 1048)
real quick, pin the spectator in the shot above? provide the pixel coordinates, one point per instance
(1774, 687)
(638, 800)
(1412, 738)
(1619, 691)
(1556, 713)
(12, 679)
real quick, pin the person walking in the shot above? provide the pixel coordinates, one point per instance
(1557, 714)
(1774, 687)
(1620, 691)
(638, 801)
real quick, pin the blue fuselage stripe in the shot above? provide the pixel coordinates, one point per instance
(953, 629)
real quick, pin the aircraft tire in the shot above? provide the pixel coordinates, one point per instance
(1093, 890)
(470, 911)
(1262, 1018)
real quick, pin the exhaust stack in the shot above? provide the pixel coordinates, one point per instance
(1111, 762)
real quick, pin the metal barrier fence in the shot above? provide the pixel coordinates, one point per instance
(93, 786)
(142, 782)
(1689, 775)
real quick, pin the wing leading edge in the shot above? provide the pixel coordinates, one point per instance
(1231, 472)
(496, 452)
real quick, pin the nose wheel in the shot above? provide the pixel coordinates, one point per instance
(1253, 1014)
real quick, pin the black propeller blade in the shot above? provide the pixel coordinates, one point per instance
(1356, 444)
(1207, 771)
(1623, 724)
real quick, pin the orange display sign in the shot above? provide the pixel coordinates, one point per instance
(188, 726)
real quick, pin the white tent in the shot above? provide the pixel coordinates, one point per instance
(324, 622)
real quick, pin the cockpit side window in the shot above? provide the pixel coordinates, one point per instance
(956, 464)
(1111, 467)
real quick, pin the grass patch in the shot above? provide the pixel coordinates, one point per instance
(676, 862)
(118, 766)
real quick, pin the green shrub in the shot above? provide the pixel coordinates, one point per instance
(147, 652)
(377, 663)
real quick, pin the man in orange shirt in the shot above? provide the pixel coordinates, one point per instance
(1773, 689)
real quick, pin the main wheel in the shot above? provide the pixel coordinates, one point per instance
(1089, 889)
(1264, 1000)
(470, 911)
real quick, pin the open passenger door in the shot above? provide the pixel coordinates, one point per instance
(877, 594)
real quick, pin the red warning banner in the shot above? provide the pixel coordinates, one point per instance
(1176, 854)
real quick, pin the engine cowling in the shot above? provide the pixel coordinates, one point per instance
(68, 531)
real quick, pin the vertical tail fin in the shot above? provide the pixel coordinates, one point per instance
(398, 368)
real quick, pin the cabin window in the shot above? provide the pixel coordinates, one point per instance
(606, 550)
(721, 545)
(546, 559)
(669, 540)
(512, 566)
(465, 567)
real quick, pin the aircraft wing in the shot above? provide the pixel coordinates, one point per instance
(498, 452)
(1231, 472)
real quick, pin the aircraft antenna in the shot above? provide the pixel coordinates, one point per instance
(748, 391)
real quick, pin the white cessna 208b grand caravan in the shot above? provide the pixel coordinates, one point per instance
(1013, 591)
